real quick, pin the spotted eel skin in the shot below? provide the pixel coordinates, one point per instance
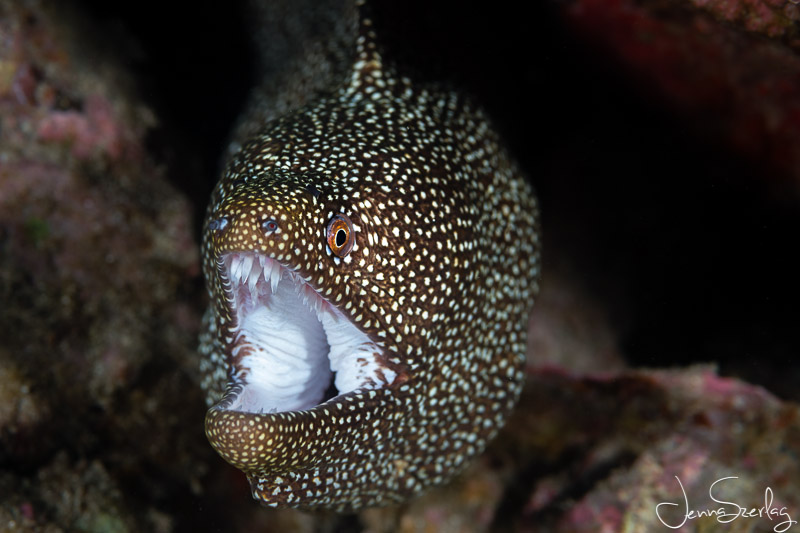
(371, 259)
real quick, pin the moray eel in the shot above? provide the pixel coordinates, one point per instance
(371, 259)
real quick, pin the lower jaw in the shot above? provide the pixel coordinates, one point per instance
(270, 443)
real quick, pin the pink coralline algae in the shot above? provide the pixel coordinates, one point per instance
(672, 433)
(774, 18)
(95, 253)
(93, 129)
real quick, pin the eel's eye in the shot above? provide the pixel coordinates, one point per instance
(270, 225)
(341, 236)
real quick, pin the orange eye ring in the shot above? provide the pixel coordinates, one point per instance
(341, 236)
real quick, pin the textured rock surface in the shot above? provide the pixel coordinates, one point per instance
(607, 451)
(96, 263)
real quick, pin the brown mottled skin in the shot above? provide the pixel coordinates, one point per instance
(440, 279)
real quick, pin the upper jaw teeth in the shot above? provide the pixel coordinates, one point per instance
(247, 268)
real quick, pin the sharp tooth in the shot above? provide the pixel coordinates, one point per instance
(252, 283)
(320, 304)
(275, 277)
(247, 267)
(243, 270)
(255, 272)
(234, 266)
(236, 271)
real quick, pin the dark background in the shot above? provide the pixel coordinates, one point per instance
(691, 247)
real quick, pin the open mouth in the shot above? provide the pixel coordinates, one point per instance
(291, 348)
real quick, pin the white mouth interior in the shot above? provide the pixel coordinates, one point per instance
(290, 343)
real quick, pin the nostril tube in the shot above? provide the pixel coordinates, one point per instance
(219, 224)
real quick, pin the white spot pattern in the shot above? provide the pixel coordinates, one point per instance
(441, 279)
